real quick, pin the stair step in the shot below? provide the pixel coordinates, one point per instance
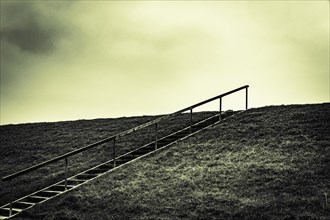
(96, 171)
(164, 142)
(179, 135)
(52, 191)
(68, 186)
(72, 182)
(119, 162)
(151, 148)
(144, 150)
(5, 212)
(85, 176)
(46, 193)
(200, 126)
(122, 159)
(13, 209)
(105, 166)
(34, 199)
(60, 188)
(174, 138)
(22, 205)
(141, 152)
(75, 181)
(129, 157)
(171, 139)
(197, 128)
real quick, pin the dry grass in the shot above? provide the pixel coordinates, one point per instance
(267, 163)
(24, 145)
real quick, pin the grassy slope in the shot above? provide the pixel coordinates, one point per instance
(270, 162)
(24, 145)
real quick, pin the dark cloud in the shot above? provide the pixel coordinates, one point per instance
(33, 38)
(30, 31)
(31, 26)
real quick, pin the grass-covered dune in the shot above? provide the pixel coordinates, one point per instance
(266, 163)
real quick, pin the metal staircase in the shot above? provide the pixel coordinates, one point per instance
(69, 183)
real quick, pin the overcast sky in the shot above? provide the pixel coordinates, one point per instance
(99, 59)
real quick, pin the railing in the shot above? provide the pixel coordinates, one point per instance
(114, 137)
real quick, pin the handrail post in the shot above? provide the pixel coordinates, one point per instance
(66, 173)
(11, 198)
(114, 151)
(246, 98)
(156, 136)
(220, 108)
(191, 119)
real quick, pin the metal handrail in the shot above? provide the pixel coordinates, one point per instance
(120, 134)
